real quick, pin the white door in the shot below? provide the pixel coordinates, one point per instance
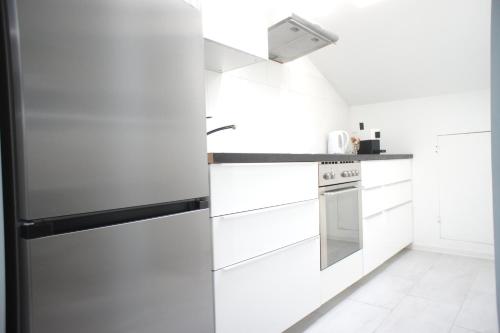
(465, 187)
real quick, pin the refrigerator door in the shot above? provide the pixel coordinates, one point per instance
(110, 104)
(148, 276)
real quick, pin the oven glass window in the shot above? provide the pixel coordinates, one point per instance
(341, 235)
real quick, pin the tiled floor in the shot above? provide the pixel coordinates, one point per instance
(415, 292)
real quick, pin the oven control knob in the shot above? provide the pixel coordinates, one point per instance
(332, 175)
(326, 176)
(345, 174)
(356, 172)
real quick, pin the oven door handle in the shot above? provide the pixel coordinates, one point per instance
(341, 191)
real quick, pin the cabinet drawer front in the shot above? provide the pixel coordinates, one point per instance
(397, 194)
(268, 293)
(373, 201)
(385, 234)
(378, 173)
(400, 223)
(376, 243)
(378, 199)
(237, 188)
(242, 236)
(340, 276)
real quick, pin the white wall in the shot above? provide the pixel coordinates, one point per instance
(495, 126)
(412, 126)
(276, 108)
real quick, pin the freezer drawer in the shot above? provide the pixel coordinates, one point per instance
(148, 276)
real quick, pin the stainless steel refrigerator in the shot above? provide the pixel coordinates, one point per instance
(111, 167)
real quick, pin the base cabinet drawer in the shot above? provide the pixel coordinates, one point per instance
(378, 199)
(341, 275)
(377, 173)
(400, 223)
(376, 243)
(385, 234)
(397, 194)
(236, 188)
(242, 236)
(372, 201)
(268, 293)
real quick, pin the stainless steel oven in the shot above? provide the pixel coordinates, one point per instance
(340, 210)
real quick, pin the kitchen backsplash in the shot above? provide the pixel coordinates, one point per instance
(276, 108)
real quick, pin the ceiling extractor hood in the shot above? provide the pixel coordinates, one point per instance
(295, 37)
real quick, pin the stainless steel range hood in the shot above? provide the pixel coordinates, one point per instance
(295, 37)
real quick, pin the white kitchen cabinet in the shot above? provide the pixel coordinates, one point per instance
(378, 199)
(372, 201)
(235, 33)
(266, 250)
(241, 236)
(268, 293)
(265, 223)
(383, 172)
(376, 244)
(397, 194)
(385, 234)
(387, 210)
(340, 276)
(400, 222)
(237, 188)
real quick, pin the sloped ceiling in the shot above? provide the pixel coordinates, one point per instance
(399, 49)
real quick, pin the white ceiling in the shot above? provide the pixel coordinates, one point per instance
(399, 49)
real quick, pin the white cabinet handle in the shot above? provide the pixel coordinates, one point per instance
(265, 255)
(262, 210)
(398, 205)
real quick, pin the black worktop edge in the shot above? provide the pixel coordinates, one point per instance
(217, 158)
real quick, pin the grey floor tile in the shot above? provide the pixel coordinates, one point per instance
(383, 290)
(350, 317)
(416, 292)
(479, 312)
(443, 286)
(458, 264)
(448, 280)
(418, 315)
(485, 279)
(458, 329)
(305, 323)
(412, 265)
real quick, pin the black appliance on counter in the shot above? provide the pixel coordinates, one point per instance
(370, 147)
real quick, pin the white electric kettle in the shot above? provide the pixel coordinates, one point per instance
(338, 141)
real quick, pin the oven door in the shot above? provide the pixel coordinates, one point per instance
(340, 222)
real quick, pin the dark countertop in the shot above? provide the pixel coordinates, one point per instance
(214, 158)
